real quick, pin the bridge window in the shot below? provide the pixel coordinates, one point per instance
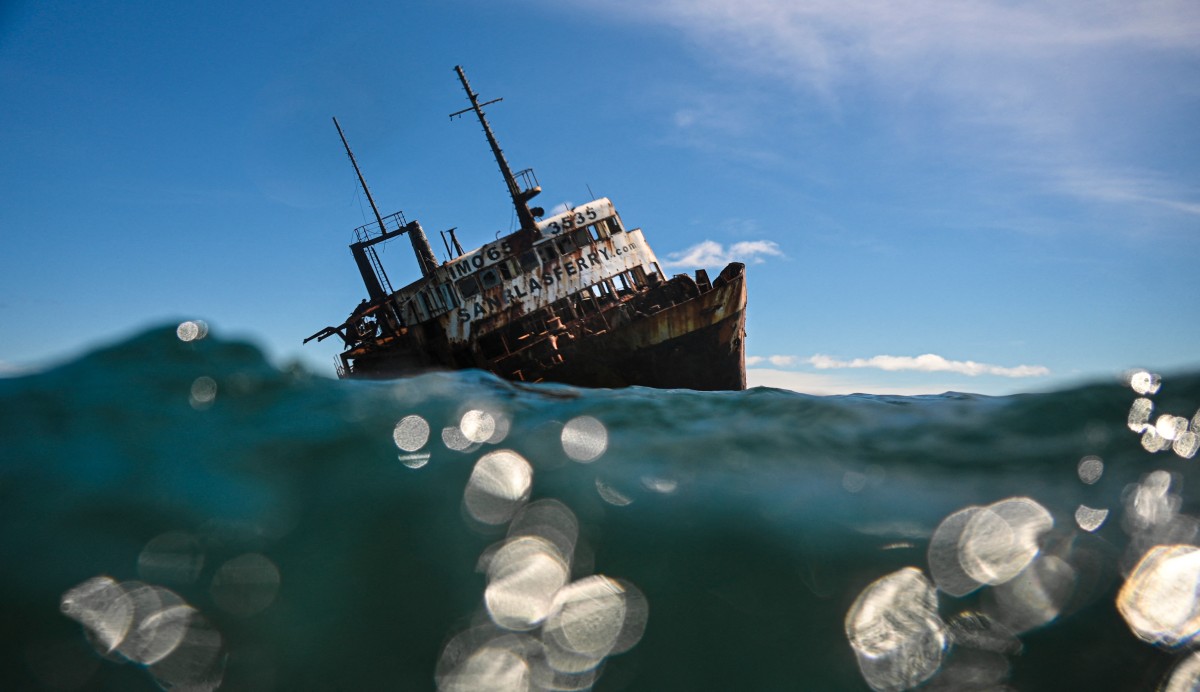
(548, 251)
(468, 287)
(448, 297)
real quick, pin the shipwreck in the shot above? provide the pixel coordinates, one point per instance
(575, 297)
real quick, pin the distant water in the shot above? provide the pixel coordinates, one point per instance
(177, 513)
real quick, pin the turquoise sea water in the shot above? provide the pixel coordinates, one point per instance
(179, 514)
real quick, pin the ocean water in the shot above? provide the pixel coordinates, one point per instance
(176, 513)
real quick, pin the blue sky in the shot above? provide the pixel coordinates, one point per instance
(977, 196)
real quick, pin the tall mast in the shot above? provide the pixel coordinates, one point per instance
(364, 250)
(361, 180)
(520, 198)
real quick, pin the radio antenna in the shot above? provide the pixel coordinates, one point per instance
(520, 198)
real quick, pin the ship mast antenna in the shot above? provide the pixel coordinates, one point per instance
(520, 197)
(363, 181)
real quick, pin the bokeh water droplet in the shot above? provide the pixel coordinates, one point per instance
(103, 607)
(477, 426)
(191, 330)
(1139, 414)
(500, 483)
(1002, 538)
(1144, 382)
(246, 585)
(175, 557)
(1159, 600)
(896, 632)
(1090, 519)
(1090, 469)
(584, 439)
(203, 392)
(411, 433)
(523, 577)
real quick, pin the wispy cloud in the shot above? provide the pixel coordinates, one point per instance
(823, 385)
(560, 208)
(928, 362)
(1041, 86)
(710, 253)
(777, 361)
(1110, 186)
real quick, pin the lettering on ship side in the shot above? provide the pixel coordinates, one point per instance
(537, 284)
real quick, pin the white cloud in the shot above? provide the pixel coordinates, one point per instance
(928, 363)
(777, 361)
(710, 253)
(825, 43)
(560, 208)
(826, 385)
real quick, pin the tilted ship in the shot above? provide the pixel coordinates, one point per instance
(575, 297)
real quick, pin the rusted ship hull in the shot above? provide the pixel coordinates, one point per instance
(682, 334)
(698, 344)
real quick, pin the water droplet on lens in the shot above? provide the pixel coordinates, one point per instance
(500, 483)
(978, 631)
(160, 620)
(1171, 427)
(1153, 442)
(489, 669)
(191, 330)
(197, 663)
(1036, 596)
(453, 438)
(175, 557)
(1001, 539)
(103, 607)
(1187, 444)
(1144, 382)
(895, 631)
(203, 392)
(414, 461)
(584, 439)
(1090, 519)
(411, 433)
(1185, 677)
(523, 577)
(551, 521)
(585, 624)
(664, 486)
(1090, 469)
(246, 584)
(1159, 600)
(1139, 414)
(945, 560)
(611, 495)
(477, 426)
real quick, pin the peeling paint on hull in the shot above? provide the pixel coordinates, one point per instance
(699, 345)
(695, 343)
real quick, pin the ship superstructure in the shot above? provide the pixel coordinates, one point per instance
(575, 297)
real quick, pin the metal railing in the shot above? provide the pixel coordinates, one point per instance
(395, 222)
